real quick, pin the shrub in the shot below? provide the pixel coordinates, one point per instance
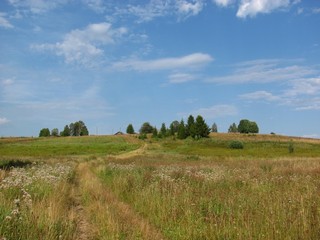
(236, 145)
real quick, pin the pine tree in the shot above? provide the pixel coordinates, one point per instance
(201, 128)
(182, 130)
(190, 127)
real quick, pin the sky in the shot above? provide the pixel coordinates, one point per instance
(112, 63)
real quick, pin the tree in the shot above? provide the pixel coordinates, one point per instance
(55, 132)
(182, 130)
(44, 132)
(78, 129)
(146, 128)
(155, 132)
(233, 128)
(174, 127)
(214, 128)
(163, 130)
(130, 129)
(201, 128)
(190, 127)
(253, 127)
(66, 131)
(246, 126)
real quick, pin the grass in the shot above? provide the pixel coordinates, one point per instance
(120, 187)
(64, 146)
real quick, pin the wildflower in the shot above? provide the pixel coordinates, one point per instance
(8, 218)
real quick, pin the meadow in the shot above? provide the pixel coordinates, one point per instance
(120, 187)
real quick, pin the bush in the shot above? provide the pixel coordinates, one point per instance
(236, 145)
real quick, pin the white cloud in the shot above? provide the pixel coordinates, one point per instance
(189, 61)
(260, 95)
(160, 8)
(7, 82)
(217, 111)
(83, 46)
(95, 5)
(253, 7)
(3, 121)
(265, 71)
(181, 77)
(4, 22)
(308, 86)
(316, 10)
(223, 3)
(190, 8)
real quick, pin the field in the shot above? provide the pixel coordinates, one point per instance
(120, 187)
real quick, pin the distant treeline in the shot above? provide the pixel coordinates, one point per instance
(195, 128)
(73, 129)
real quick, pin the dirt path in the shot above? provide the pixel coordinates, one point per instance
(101, 215)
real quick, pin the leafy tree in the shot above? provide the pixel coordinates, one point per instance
(130, 129)
(182, 130)
(66, 131)
(174, 127)
(214, 128)
(190, 127)
(84, 131)
(233, 128)
(44, 132)
(253, 127)
(146, 128)
(78, 129)
(55, 132)
(246, 126)
(201, 128)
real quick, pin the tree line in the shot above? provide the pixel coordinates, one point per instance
(195, 128)
(73, 129)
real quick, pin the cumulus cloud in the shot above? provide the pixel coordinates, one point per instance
(82, 46)
(253, 7)
(4, 22)
(189, 61)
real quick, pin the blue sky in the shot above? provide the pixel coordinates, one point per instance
(111, 63)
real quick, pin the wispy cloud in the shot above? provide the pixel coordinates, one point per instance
(194, 60)
(3, 120)
(223, 3)
(4, 22)
(37, 6)
(264, 71)
(181, 78)
(83, 46)
(260, 95)
(217, 111)
(190, 8)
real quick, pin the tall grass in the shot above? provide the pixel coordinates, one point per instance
(252, 200)
(34, 203)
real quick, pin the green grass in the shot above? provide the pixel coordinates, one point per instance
(220, 148)
(64, 146)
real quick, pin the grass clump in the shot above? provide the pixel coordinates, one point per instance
(236, 145)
